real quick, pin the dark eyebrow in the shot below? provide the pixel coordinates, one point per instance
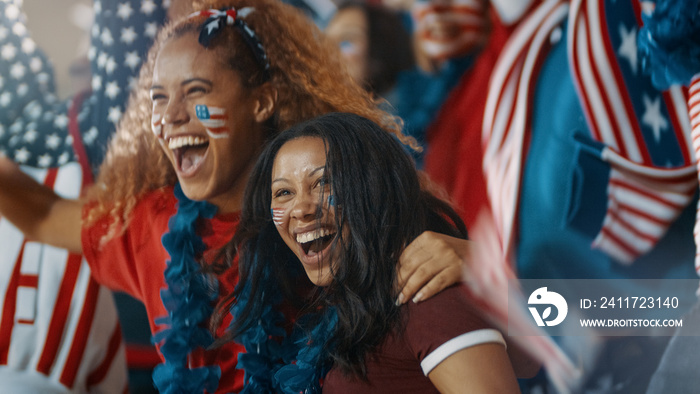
(185, 82)
(323, 167)
(310, 174)
(202, 80)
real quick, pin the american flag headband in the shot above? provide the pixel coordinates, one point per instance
(218, 19)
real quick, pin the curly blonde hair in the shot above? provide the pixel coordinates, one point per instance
(305, 69)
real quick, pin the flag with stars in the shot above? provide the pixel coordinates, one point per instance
(626, 111)
(643, 134)
(33, 122)
(646, 132)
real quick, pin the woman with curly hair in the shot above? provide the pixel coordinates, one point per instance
(216, 86)
(338, 198)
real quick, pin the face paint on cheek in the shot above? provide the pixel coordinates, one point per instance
(157, 124)
(214, 119)
(277, 215)
(348, 48)
(331, 201)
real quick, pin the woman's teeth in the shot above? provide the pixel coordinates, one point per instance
(179, 142)
(313, 235)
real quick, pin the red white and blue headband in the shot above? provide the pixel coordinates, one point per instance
(218, 19)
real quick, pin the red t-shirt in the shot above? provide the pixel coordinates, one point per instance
(135, 261)
(435, 329)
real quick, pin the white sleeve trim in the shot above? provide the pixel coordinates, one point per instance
(454, 345)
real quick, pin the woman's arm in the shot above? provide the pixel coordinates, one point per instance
(430, 264)
(37, 211)
(480, 369)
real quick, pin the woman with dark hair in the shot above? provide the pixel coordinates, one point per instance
(216, 86)
(342, 197)
(374, 44)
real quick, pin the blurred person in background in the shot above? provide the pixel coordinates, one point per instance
(411, 54)
(375, 45)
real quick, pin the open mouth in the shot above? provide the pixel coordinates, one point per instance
(316, 241)
(188, 151)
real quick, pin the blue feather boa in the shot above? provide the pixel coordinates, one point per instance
(294, 364)
(669, 42)
(188, 300)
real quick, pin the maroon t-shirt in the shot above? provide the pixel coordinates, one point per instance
(435, 329)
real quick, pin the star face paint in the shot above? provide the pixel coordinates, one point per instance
(157, 124)
(277, 215)
(214, 119)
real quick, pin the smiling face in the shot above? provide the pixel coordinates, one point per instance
(302, 205)
(208, 123)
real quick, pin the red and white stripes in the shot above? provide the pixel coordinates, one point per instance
(642, 204)
(214, 119)
(57, 325)
(609, 112)
(277, 216)
(157, 124)
(694, 112)
(506, 117)
(643, 200)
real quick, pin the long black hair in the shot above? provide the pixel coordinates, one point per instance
(380, 207)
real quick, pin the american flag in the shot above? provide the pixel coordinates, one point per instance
(82, 334)
(694, 105)
(640, 132)
(214, 119)
(277, 215)
(507, 109)
(59, 327)
(33, 121)
(646, 132)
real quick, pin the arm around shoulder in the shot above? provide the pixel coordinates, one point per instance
(37, 211)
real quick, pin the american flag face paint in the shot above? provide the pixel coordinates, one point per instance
(277, 215)
(214, 119)
(157, 124)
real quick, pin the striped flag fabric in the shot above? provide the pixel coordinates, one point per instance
(506, 114)
(644, 133)
(694, 112)
(58, 325)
